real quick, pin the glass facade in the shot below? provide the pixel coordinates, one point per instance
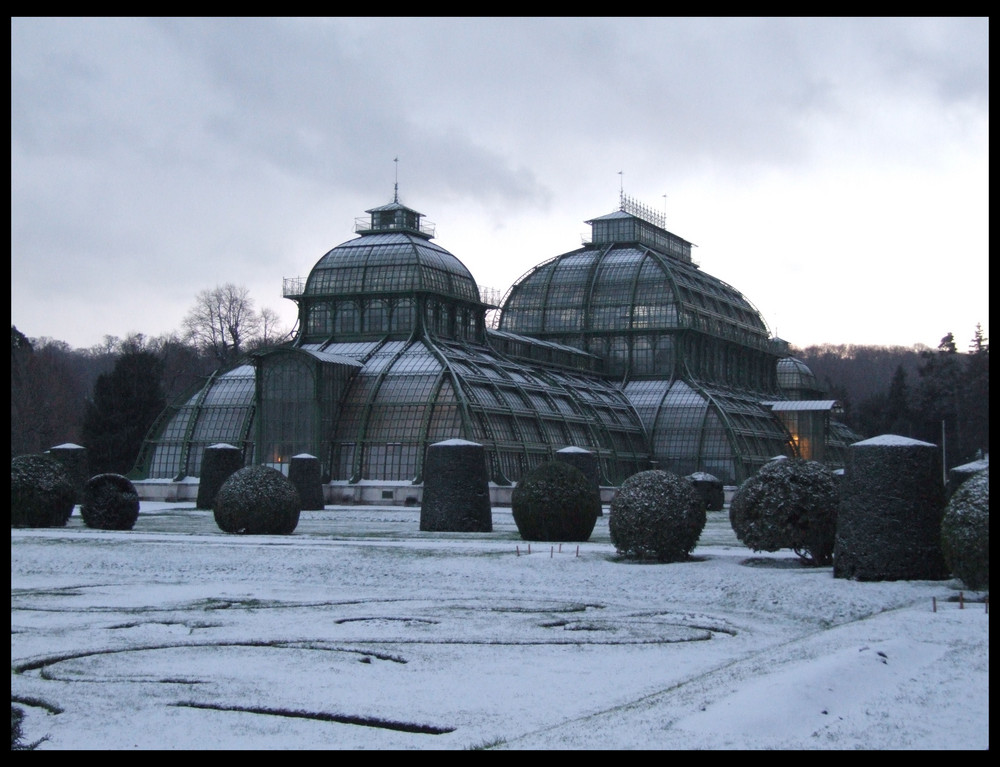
(623, 347)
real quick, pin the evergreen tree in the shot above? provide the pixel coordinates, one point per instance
(974, 427)
(124, 405)
(898, 415)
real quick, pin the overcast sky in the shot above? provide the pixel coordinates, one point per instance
(835, 171)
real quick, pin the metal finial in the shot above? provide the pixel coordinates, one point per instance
(395, 194)
(621, 190)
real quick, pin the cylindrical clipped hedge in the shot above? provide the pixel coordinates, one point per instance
(585, 461)
(965, 532)
(41, 492)
(456, 495)
(110, 502)
(788, 504)
(891, 505)
(257, 500)
(74, 459)
(656, 515)
(304, 473)
(710, 489)
(555, 502)
(217, 465)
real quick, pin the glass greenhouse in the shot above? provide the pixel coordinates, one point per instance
(624, 347)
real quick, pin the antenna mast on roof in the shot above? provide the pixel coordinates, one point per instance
(395, 194)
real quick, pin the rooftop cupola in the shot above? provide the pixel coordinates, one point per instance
(634, 222)
(394, 217)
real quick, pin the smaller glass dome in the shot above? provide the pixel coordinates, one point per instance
(797, 380)
(393, 255)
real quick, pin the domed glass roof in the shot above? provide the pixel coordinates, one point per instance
(627, 288)
(393, 255)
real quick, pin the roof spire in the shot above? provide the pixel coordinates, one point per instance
(395, 194)
(621, 190)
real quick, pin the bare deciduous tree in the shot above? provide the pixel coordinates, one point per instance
(222, 321)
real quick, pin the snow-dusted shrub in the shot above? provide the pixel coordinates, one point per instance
(218, 463)
(456, 495)
(110, 502)
(586, 461)
(304, 473)
(965, 532)
(709, 489)
(41, 492)
(891, 505)
(555, 502)
(958, 474)
(656, 515)
(257, 500)
(790, 504)
(74, 459)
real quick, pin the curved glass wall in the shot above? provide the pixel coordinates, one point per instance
(222, 411)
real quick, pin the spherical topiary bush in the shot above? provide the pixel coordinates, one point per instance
(110, 502)
(656, 515)
(257, 500)
(965, 532)
(41, 492)
(555, 502)
(790, 504)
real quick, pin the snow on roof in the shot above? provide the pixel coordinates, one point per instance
(893, 439)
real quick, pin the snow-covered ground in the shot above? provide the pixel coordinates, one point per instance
(361, 632)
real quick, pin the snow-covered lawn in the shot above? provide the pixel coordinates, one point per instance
(361, 632)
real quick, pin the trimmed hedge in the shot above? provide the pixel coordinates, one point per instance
(965, 532)
(41, 492)
(257, 500)
(304, 473)
(555, 502)
(788, 504)
(710, 489)
(891, 506)
(456, 495)
(110, 502)
(218, 464)
(656, 515)
(586, 461)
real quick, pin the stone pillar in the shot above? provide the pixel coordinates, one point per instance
(303, 471)
(456, 495)
(217, 465)
(892, 503)
(585, 461)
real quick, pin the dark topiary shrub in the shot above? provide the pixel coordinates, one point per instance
(965, 532)
(656, 515)
(217, 465)
(74, 459)
(710, 489)
(789, 504)
(585, 461)
(41, 492)
(891, 504)
(257, 500)
(110, 502)
(304, 473)
(456, 489)
(555, 502)
(958, 474)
